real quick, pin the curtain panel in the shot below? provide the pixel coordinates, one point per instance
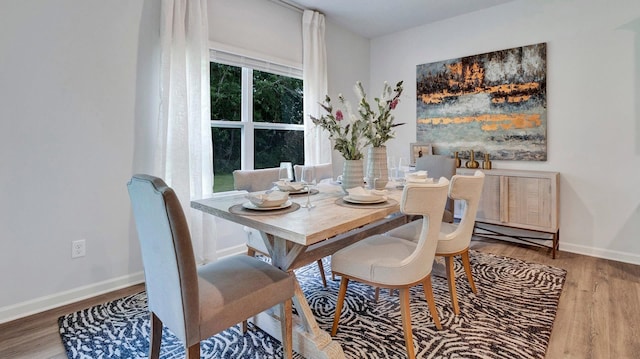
(184, 154)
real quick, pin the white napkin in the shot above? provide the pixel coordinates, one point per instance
(289, 186)
(268, 199)
(418, 177)
(362, 194)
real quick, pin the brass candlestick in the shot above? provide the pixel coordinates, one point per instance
(458, 161)
(486, 164)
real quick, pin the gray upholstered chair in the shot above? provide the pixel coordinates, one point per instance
(439, 166)
(454, 238)
(261, 180)
(396, 263)
(198, 302)
(255, 180)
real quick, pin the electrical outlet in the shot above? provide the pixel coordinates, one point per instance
(78, 248)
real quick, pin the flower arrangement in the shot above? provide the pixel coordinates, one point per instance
(368, 128)
(346, 135)
(380, 128)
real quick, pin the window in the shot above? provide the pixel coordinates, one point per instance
(256, 116)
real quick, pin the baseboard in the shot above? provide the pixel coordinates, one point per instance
(600, 253)
(45, 303)
(232, 251)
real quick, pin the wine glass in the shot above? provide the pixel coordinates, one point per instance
(308, 178)
(403, 167)
(286, 172)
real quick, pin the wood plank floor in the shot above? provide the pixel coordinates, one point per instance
(598, 316)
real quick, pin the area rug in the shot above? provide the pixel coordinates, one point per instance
(511, 317)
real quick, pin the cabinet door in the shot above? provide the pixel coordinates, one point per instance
(489, 207)
(529, 201)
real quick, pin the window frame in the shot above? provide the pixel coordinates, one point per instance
(246, 124)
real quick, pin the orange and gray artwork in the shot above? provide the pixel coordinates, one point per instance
(491, 103)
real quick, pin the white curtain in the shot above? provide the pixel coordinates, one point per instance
(317, 146)
(184, 149)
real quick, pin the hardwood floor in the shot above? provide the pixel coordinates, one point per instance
(598, 316)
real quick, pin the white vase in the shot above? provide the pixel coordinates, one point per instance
(377, 171)
(352, 174)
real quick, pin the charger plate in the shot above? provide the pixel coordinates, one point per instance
(240, 209)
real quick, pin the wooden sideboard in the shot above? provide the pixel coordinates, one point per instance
(519, 199)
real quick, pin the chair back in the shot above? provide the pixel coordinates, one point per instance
(170, 273)
(323, 171)
(438, 166)
(255, 180)
(469, 190)
(427, 200)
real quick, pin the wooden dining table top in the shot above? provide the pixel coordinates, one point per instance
(305, 226)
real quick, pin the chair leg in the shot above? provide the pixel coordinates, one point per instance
(286, 311)
(451, 279)
(193, 352)
(321, 268)
(156, 336)
(244, 327)
(251, 252)
(428, 294)
(344, 282)
(376, 295)
(467, 268)
(405, 311)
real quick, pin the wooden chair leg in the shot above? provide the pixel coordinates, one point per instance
(244, 327)
(405, 311)
(321, 268)
(376, 295)
(251, 252)
(428, 294)
(451, 279)
(467, 268)
(156, 336)
(193, 352)
(286, 311)
(344, 282)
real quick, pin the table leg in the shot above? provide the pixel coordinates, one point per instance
(308, 339)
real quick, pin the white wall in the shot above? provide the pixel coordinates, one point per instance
(74, 76)
(79, 85)
(593, 114)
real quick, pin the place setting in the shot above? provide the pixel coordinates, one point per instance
(360, 197)
(268, 203)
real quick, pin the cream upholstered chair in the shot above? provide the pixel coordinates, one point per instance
(439, 166)
(454, 238)
(322, 171)
(396, 263)
(198, 302)
(261, 180)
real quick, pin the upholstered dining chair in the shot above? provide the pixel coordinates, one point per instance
(396, 263)
(322, 171)
(261, 180)
(197, 302)
(439, 166)
(454, 238)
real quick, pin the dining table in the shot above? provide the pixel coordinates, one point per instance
(296, 236)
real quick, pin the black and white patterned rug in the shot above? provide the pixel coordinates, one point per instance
(511, 317)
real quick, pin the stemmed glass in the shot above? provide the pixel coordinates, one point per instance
(403, 166)
(308, 178)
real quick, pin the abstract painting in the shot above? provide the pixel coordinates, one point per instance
(491, 103)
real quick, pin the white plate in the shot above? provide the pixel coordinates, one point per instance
(373, 201)
(304, 190)
(249, 205)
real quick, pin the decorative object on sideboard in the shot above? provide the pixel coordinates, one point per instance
(472, 163)
(458, 161)
(486, 164)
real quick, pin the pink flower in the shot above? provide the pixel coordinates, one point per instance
(393, 104)
(339, 115)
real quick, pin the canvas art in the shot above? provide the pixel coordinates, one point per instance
(491, 103)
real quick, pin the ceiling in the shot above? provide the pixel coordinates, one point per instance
(375, 18)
